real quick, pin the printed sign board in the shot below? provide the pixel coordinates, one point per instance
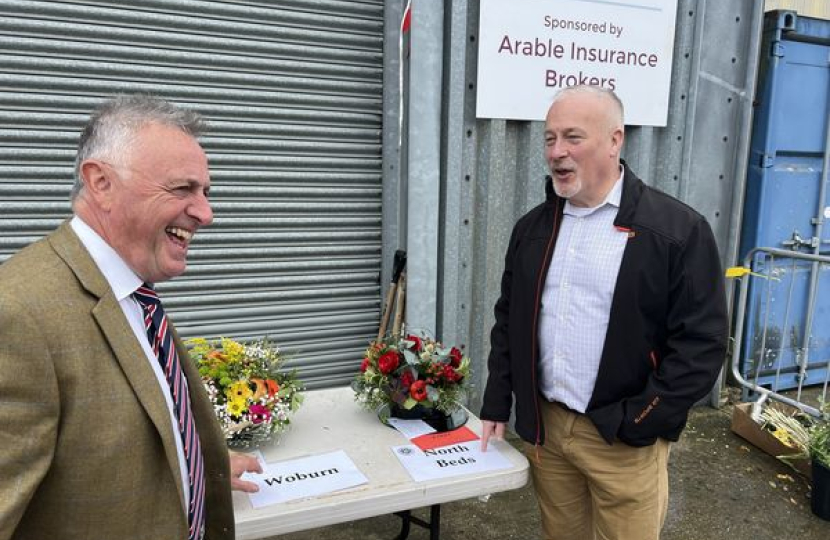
(530, 49)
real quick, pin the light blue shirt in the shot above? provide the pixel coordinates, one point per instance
(576, 301)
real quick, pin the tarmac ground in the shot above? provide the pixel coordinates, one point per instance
(721, 487)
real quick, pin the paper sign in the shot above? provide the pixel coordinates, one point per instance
(446, 438)
(447, 461)
(411, 428)
(304, 477)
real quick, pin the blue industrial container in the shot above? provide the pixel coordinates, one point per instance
(787, 337)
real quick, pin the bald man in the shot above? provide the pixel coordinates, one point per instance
(610, 325)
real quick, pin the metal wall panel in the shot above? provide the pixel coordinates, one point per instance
(806, 8)
(293, 91)
(494, 168)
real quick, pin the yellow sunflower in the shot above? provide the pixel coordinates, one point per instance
(236, 407)
(239, 391)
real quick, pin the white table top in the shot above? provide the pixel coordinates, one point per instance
(331, 420)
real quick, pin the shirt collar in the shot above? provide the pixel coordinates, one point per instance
(122, 280)
(613, 198)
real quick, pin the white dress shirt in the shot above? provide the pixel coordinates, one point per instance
(576, 301)
(124, 282)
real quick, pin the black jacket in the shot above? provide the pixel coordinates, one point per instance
(667, 330)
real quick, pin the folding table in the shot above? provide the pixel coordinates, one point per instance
(331, 420)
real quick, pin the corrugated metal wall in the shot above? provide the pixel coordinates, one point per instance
(294, 93)
(494, 168)
(806, 8)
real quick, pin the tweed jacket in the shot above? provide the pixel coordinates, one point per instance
(86, 446)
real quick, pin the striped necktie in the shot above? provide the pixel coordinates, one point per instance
(161, 341)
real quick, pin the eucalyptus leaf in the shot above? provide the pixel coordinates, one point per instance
(410, 357)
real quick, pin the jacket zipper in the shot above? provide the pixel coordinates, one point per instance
(535, 328)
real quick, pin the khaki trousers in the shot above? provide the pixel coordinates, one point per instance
(590, 490)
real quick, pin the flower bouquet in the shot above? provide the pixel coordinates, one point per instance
(413, 376)
(251, 395)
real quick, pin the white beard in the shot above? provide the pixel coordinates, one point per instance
(567, 191)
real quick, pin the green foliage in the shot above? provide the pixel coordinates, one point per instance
(820, 443)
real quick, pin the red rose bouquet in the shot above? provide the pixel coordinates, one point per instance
(410, 371)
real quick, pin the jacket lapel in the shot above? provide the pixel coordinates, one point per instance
(118, 333)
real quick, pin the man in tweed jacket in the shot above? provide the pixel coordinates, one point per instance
(88, 442)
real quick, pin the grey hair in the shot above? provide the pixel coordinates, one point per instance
(112, 128)
(619, 110)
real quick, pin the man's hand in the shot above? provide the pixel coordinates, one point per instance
(242, 463)
(491, 429)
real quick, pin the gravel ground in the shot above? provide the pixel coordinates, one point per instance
(721, 488)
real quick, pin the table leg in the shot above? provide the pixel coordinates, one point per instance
(406, 518)
(434, 523)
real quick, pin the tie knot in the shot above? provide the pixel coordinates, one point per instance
(146, 294)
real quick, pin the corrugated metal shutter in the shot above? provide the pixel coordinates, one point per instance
(293, 92)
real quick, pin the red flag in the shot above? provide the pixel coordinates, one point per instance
(407, 17)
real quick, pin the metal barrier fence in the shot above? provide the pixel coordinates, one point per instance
(781, 345)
